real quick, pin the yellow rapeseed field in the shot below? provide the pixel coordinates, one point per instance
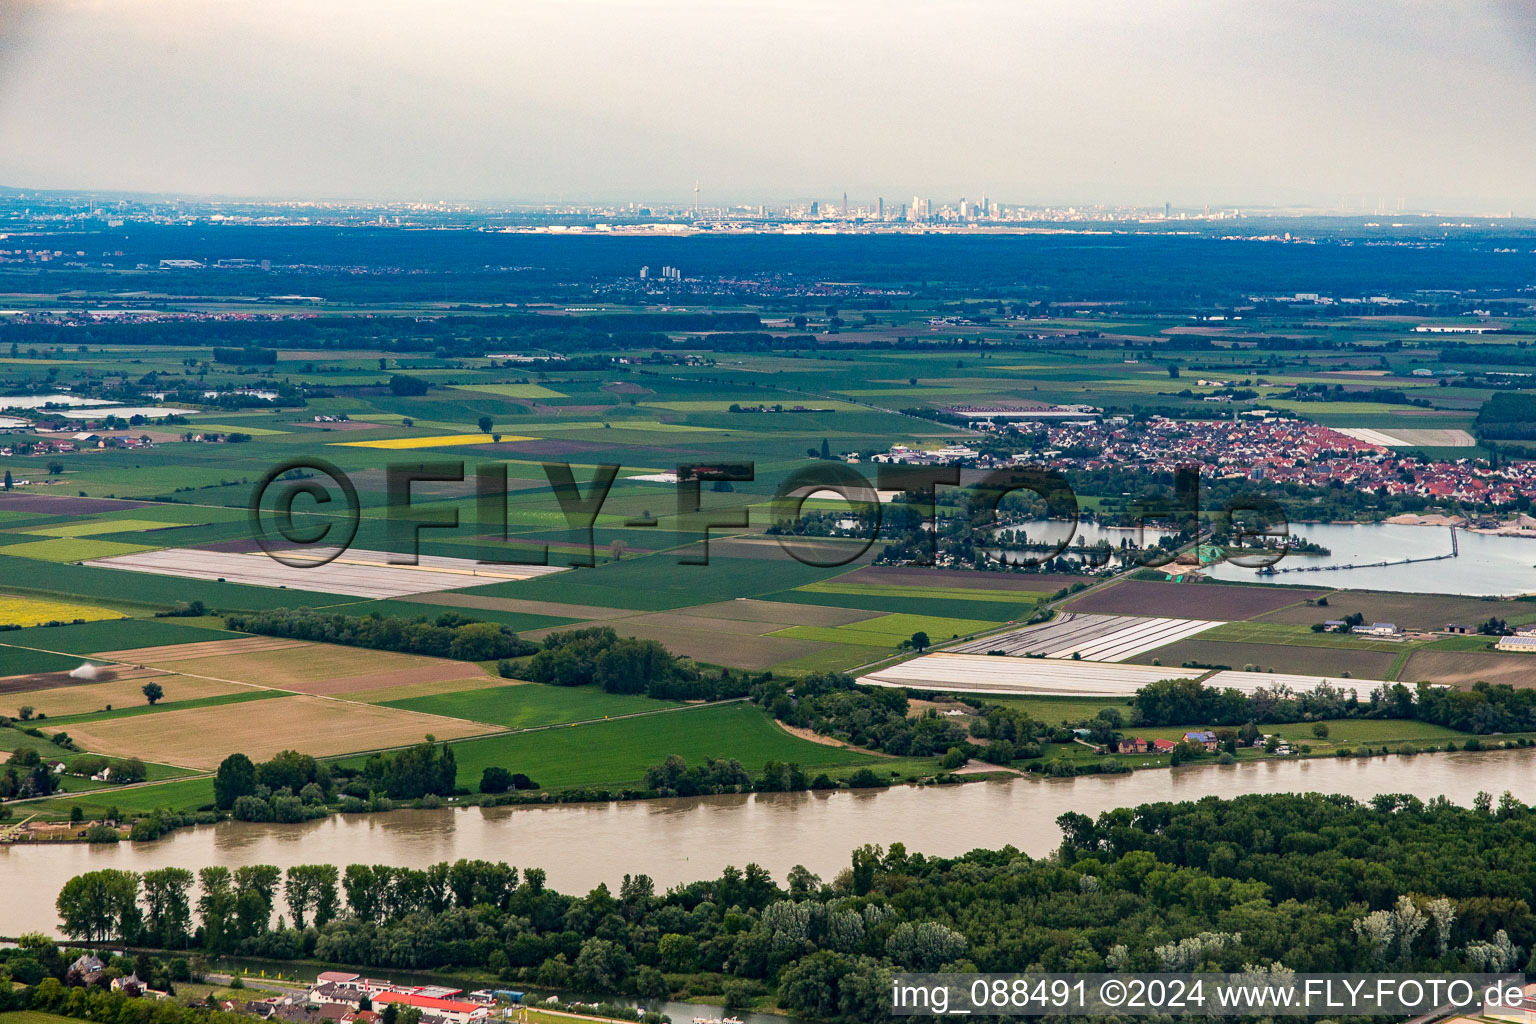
(441, 441)
(32, 611)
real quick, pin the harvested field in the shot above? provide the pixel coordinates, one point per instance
(59, 505)
(1189, 600)
(34, 681)
(202, 737)
(774, 613)
(355, 573)
(1408, 611)
(321, 668)
(768, 549)
(981, 673)
(1090, 637)
(437, 671)
(205, 649)
(900, 576)
(81, 698)
(1248, 682)
(1307, 661)
(407, 691)
(1463, 668)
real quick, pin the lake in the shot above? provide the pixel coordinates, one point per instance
(1488, 564)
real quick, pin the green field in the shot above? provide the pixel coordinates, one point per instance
(617, 753)
(91, 527)
(923, 593)
(18, 661)
(511, 390)
(112, 635)
(32, 1017)
(56, 578)
(528, 705)
(888, 630)
(72, 549)
(1057, 710)
(659, 583)
(183, 795)
(968, 608)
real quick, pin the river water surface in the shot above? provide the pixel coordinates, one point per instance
(673, 841)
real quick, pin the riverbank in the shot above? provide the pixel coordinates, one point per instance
(677, 840)
(1351, 738)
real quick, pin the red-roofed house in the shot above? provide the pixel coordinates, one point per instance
(455, 1011)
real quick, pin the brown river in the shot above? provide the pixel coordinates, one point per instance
(580, 845)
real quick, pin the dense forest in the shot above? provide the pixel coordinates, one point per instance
(1309, 882)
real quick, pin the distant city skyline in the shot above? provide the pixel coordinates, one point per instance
(1192, 103)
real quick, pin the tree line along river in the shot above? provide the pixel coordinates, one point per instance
(679, 840)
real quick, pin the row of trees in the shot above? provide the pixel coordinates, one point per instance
(1285, 882)
(450, 635)
(1484, 708)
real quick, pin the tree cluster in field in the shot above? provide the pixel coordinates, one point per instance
(295, 787)
(26, 774)
(599, 656)
(1299, 882)
(875, 718)
(1484, 708)
(291, 787)
(450, 635)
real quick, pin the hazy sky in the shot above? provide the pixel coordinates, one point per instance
(1190, 101)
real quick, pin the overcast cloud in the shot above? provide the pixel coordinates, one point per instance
(1142, 101)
